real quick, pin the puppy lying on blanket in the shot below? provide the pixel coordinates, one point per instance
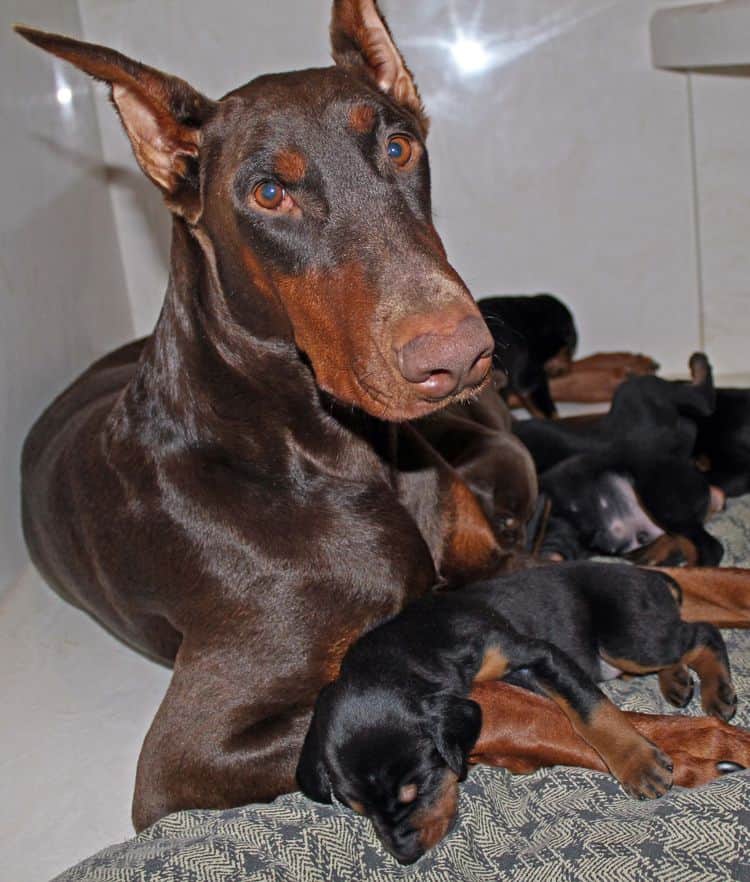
(392, 736)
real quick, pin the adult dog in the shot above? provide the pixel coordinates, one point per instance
(231, 495)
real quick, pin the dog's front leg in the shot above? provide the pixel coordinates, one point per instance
(720, 595)
(222, 736)
(523, 731)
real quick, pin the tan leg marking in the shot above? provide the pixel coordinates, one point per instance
(494, 666)
(718, 697)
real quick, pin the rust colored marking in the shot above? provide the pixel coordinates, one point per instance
(630, 666)
(712, 672)
(435, 820)
(362, 118)
(470, 544)
(357, 807)
(662, 549)
(718, 595)
(290, 166)
(335, 654)
(494, 666)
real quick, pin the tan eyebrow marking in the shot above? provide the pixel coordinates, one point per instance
(290, 166)
(362, 118)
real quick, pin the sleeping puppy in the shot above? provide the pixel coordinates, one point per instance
(392, 736)
(535, 338)
(723, 443)
(623, 501)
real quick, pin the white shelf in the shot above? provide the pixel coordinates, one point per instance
(707, 35)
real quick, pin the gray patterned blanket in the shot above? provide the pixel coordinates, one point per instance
(557, 825)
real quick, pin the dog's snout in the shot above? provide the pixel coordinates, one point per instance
(442, 364)
(404, 845)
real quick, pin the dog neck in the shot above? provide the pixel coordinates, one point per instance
(221, 372)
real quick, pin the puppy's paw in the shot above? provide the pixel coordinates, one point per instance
(720, 702)
(676, 684)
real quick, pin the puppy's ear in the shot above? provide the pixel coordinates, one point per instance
(311, 773)
(453, 723)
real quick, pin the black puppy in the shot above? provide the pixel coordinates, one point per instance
(658, 416)
(392, 736)
(723, 443)
(623, 500)
(619, 481)
(535, 338)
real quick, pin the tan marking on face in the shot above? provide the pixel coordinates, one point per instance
(290, 166)
(494, 666)
(435, 820)
(357, 807)
(408, 793)
(337, 322)
(332, 315)
(362, 118)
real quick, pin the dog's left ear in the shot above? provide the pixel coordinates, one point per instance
(161, 114)
(453, 724)
(361, 40)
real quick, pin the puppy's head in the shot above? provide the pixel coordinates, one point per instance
(395, 760)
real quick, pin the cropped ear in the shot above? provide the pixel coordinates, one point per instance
(453, 723)
(311, 773)
(162, 115)
(361, 41)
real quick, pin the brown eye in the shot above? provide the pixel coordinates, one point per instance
(400, 150)
(269, 195)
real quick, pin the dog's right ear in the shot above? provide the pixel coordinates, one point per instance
(162, 115)
(311, 773)
(454, 724)
(362, 42)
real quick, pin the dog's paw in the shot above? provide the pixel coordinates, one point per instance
(648, 772)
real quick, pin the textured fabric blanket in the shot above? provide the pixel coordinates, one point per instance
(557, 825)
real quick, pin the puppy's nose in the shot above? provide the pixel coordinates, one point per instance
(443, 362)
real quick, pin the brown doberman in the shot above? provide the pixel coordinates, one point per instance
(241, 495)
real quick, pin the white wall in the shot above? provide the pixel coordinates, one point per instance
(565, 167)
(722, 113)
(63, 298)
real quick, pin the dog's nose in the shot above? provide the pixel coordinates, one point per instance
(442, 364)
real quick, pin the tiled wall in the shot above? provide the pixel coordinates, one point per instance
(63, 299)
(565, 166)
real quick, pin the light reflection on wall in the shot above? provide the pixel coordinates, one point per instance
(468, 54)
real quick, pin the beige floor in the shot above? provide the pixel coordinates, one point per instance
(76, 705)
